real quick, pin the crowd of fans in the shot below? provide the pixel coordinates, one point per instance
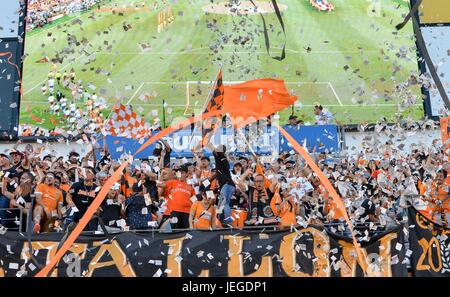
(42, 12)
(224, 190)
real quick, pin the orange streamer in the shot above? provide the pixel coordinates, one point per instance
(83, 222)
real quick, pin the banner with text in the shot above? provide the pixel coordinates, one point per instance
(430, 245)
(263, 141)
(305, 252)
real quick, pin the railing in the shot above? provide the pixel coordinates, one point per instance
(11, 218)
(361, 226)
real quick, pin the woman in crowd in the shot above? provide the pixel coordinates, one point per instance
(203, 211)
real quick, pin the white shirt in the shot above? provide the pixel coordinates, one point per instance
(324, 118)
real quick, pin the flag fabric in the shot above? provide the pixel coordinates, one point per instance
(124, 122)
(215, 102)
(256, 98)
(216, 97)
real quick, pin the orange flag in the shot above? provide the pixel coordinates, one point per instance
(262, 97)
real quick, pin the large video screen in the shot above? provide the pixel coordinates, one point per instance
(439, 53)
(82, 56)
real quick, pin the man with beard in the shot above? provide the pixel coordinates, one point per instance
(80, 197)
(20, 161)
(259, 199)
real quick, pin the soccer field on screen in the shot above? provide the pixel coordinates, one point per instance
(350, 59)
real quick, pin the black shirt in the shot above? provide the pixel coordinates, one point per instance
(223, 174)
(110, 213)
(152, 189)
(261, 208)
(12, 174)
(238, 201)
(82, 195)
(314, 209)
(369, 208)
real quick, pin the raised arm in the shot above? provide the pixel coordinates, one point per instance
(5, 191)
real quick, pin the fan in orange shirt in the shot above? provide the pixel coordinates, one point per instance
(203, 212)
(285, 208)
(49, 202)
(179, 194)
(435, 192)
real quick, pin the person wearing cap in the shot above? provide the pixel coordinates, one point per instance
(72, 166)
(102, 177)
(244, 163)
(74, 158)
(162, 151)
(293, 120)
(49, 202)
(203, 211)
(17, 158)
(178, 196)
(203, 166)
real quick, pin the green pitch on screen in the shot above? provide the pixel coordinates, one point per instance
(349, 60)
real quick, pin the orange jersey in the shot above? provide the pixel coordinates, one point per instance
(286, 212)
(331, 205)
(203, 217)
(206, 174)
(179, 196)
(239, 216)
(65, 187)
(51, 196)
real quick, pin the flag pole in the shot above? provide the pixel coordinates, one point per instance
(164, 113)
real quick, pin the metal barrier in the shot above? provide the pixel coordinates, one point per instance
(327, 226)
(11, 218)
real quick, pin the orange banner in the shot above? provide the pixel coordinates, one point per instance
(261, 97)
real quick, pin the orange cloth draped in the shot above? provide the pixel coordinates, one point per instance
(261, 97)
